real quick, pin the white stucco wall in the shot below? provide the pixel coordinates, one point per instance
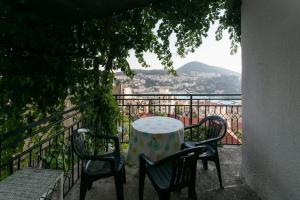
(271, 97)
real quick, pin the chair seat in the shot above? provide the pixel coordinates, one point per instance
(160, 175)
(102, 168)
(208, 150)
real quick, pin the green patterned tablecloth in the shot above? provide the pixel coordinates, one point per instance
(156, 137)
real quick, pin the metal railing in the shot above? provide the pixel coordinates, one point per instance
(47, 142)
(189, 108)
(43, 144)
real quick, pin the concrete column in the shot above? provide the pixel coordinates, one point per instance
(271, 97)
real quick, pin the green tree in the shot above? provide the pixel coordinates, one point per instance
(42, 61)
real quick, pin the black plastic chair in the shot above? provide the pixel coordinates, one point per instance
(171, 173)
(209, 131)
(96, 166)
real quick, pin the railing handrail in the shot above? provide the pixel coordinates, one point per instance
(43, 121)
(37, 123)
(183, 94)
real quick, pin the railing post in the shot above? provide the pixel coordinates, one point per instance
(11, 166)
(129, 120)
(72, 157)
(0, 159)
(205, 109)
(30, 159)
(191, 115)
(159, 103)
(123, 113)
(19, 163)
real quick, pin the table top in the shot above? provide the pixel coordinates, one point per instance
(157, 125)
(28, 183)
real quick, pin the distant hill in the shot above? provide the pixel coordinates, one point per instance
(204, 68)
(193, 76)
(187, 68)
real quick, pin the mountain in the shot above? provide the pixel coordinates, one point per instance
(190, 67)
(187, 69)
(193, 76)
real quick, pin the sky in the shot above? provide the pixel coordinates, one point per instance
(211, 52)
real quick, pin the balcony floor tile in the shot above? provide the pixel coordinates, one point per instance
(207, 183)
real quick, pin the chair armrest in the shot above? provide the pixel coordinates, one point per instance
(98, 157)
(111, 159)
(186, 146)
(209, 141)
(195, 125)
(180, 153)
(145, 159)
(191, 126)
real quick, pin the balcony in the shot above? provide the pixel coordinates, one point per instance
(206, 186)
(270, 65)
(47, 144)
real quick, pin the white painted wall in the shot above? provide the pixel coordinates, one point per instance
(271, 97)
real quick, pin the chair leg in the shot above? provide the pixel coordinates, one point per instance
(178, 190)
(141, 183)
(124, 175)
(192, 192)
(192, 184)
(217, 163)
(164, 195)
(205, 164)
(119, 185)
(90, 184)
(83, 187)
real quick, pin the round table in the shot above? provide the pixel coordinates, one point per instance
(157, 137)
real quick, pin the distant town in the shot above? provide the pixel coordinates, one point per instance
(195, 77)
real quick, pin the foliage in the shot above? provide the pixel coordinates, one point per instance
(48, 59)
(58, 157)
(156, 113)
(239, 135)
(197, 134)
(231, 21)
(43, 61)
(103, 113)
(34, 64)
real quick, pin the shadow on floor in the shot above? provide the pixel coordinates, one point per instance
(207, 183)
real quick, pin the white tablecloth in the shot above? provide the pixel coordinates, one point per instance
(157, 137)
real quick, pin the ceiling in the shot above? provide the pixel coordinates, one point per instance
(72, 11)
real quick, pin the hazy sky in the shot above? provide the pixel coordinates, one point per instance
(211, 52)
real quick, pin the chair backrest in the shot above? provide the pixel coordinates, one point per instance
(213, 127)
(184, 168)
(78, 142)
(217, 127)
(85, 144)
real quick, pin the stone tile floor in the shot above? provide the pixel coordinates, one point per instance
(207, 186)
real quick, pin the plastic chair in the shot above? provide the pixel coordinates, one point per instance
(210, 130)
(171, 173)
(96, 166)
